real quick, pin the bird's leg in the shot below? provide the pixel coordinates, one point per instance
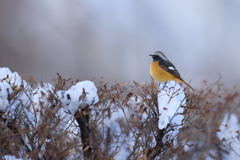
(164, 86)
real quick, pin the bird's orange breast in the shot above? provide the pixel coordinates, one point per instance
(160, 74)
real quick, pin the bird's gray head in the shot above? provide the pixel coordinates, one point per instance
(159, 54)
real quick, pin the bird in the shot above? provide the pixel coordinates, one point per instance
(163, 70)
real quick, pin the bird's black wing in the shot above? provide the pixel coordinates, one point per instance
(169, 67)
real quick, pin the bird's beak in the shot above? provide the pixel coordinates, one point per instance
(150, 55)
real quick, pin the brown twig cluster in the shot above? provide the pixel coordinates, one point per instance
(123, 121)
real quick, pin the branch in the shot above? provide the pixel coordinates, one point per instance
(15, 92)
(83, 121)
(157, 149)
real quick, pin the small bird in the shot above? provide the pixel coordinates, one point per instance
(163, 70)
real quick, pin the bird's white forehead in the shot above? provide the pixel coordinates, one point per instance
(161, 55)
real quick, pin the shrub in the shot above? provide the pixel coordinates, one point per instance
(78, 120)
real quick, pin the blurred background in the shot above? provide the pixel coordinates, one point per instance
(113, 39)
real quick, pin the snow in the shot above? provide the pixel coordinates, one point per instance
(10, 157)
(171, 115)
(75, 92)
(71, 102)
(169, 102)
(112, 122)
(14, 80)
(38, 100)
(5, 88)
(84, 93)
(120, 115)
(6, 71)
(229, 133)
(170, 110)
(41, 94)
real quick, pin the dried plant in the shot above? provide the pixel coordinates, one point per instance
(125, 120)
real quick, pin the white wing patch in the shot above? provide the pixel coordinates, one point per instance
(171, 68)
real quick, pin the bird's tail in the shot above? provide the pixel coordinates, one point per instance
(188, 85)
